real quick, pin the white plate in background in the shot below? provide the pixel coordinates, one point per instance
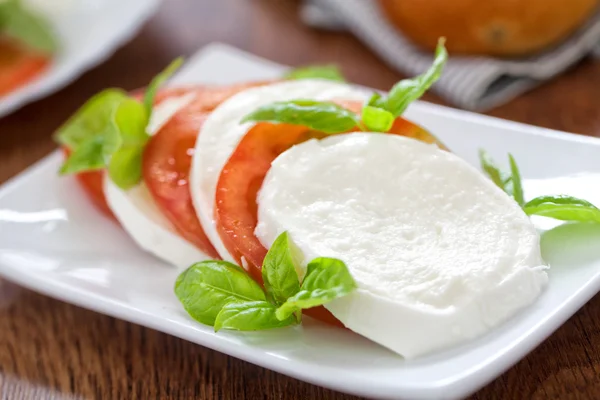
(89, 31)
(59, 244)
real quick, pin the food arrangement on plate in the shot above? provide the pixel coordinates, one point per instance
(310, 195)
(27, 45)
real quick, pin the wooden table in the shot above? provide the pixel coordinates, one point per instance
(49, 349)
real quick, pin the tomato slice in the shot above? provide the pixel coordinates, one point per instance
(93, 186)
(168, 156)
(166, 164)
(243, 174)
(18, 65)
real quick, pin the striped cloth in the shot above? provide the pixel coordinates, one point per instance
(475, 83)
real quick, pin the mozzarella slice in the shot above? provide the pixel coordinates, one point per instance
(222, 132)
(138, 213)
(140, 217)
(439, 253)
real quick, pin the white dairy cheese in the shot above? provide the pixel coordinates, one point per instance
(138, 213)
(439, 253)
(222, 132)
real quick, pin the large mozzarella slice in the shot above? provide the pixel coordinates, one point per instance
(222, 132)
(140, 216)
(439, 253)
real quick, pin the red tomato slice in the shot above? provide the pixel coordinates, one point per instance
(168, 156)
(92, 184)
(18, 65)
(166, 165)
(242, 177)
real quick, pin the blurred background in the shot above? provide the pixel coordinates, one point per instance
(531, 61)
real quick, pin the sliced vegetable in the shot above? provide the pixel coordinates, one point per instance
(92, 183)
(19, 65)
(168, 155)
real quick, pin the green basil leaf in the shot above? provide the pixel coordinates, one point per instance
(279, 270)
(329, 72)
(564, 208)
(158, 81)
(377, 119)
(318, 115)
(376, 100)
(517, 186)
(501, 178)
(206, 287)
(94, 118)
(127, 146)
(27, 26)
(88, 156)
(408, 90)
(326, 279)
(250, 316)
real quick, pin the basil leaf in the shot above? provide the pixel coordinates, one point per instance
(329, 72)
(206, 287)
(127, 147)
(321, 116)
(118, 122)
(564, 208)
(377, 119)
(502, 179)
(88, 156)
(279, 270)
(27, 26)
(376, 100)
(94, 118)
(158, 81)
(326, 279)
(516, 181)
(408, 90)
(250, 316)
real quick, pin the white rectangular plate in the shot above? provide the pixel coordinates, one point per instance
(52, 240)
(88, 33)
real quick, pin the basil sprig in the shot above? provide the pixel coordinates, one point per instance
(377, 115)
(329, 72)
(222, 295)
(561, 207)
(25, 25)
(564, 208)
(109, 131)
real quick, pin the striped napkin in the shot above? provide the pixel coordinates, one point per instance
(475, 83)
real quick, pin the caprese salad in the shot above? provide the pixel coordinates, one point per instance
(311, 195)
(27, 44)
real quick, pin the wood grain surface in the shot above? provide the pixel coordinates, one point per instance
(52, 350)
